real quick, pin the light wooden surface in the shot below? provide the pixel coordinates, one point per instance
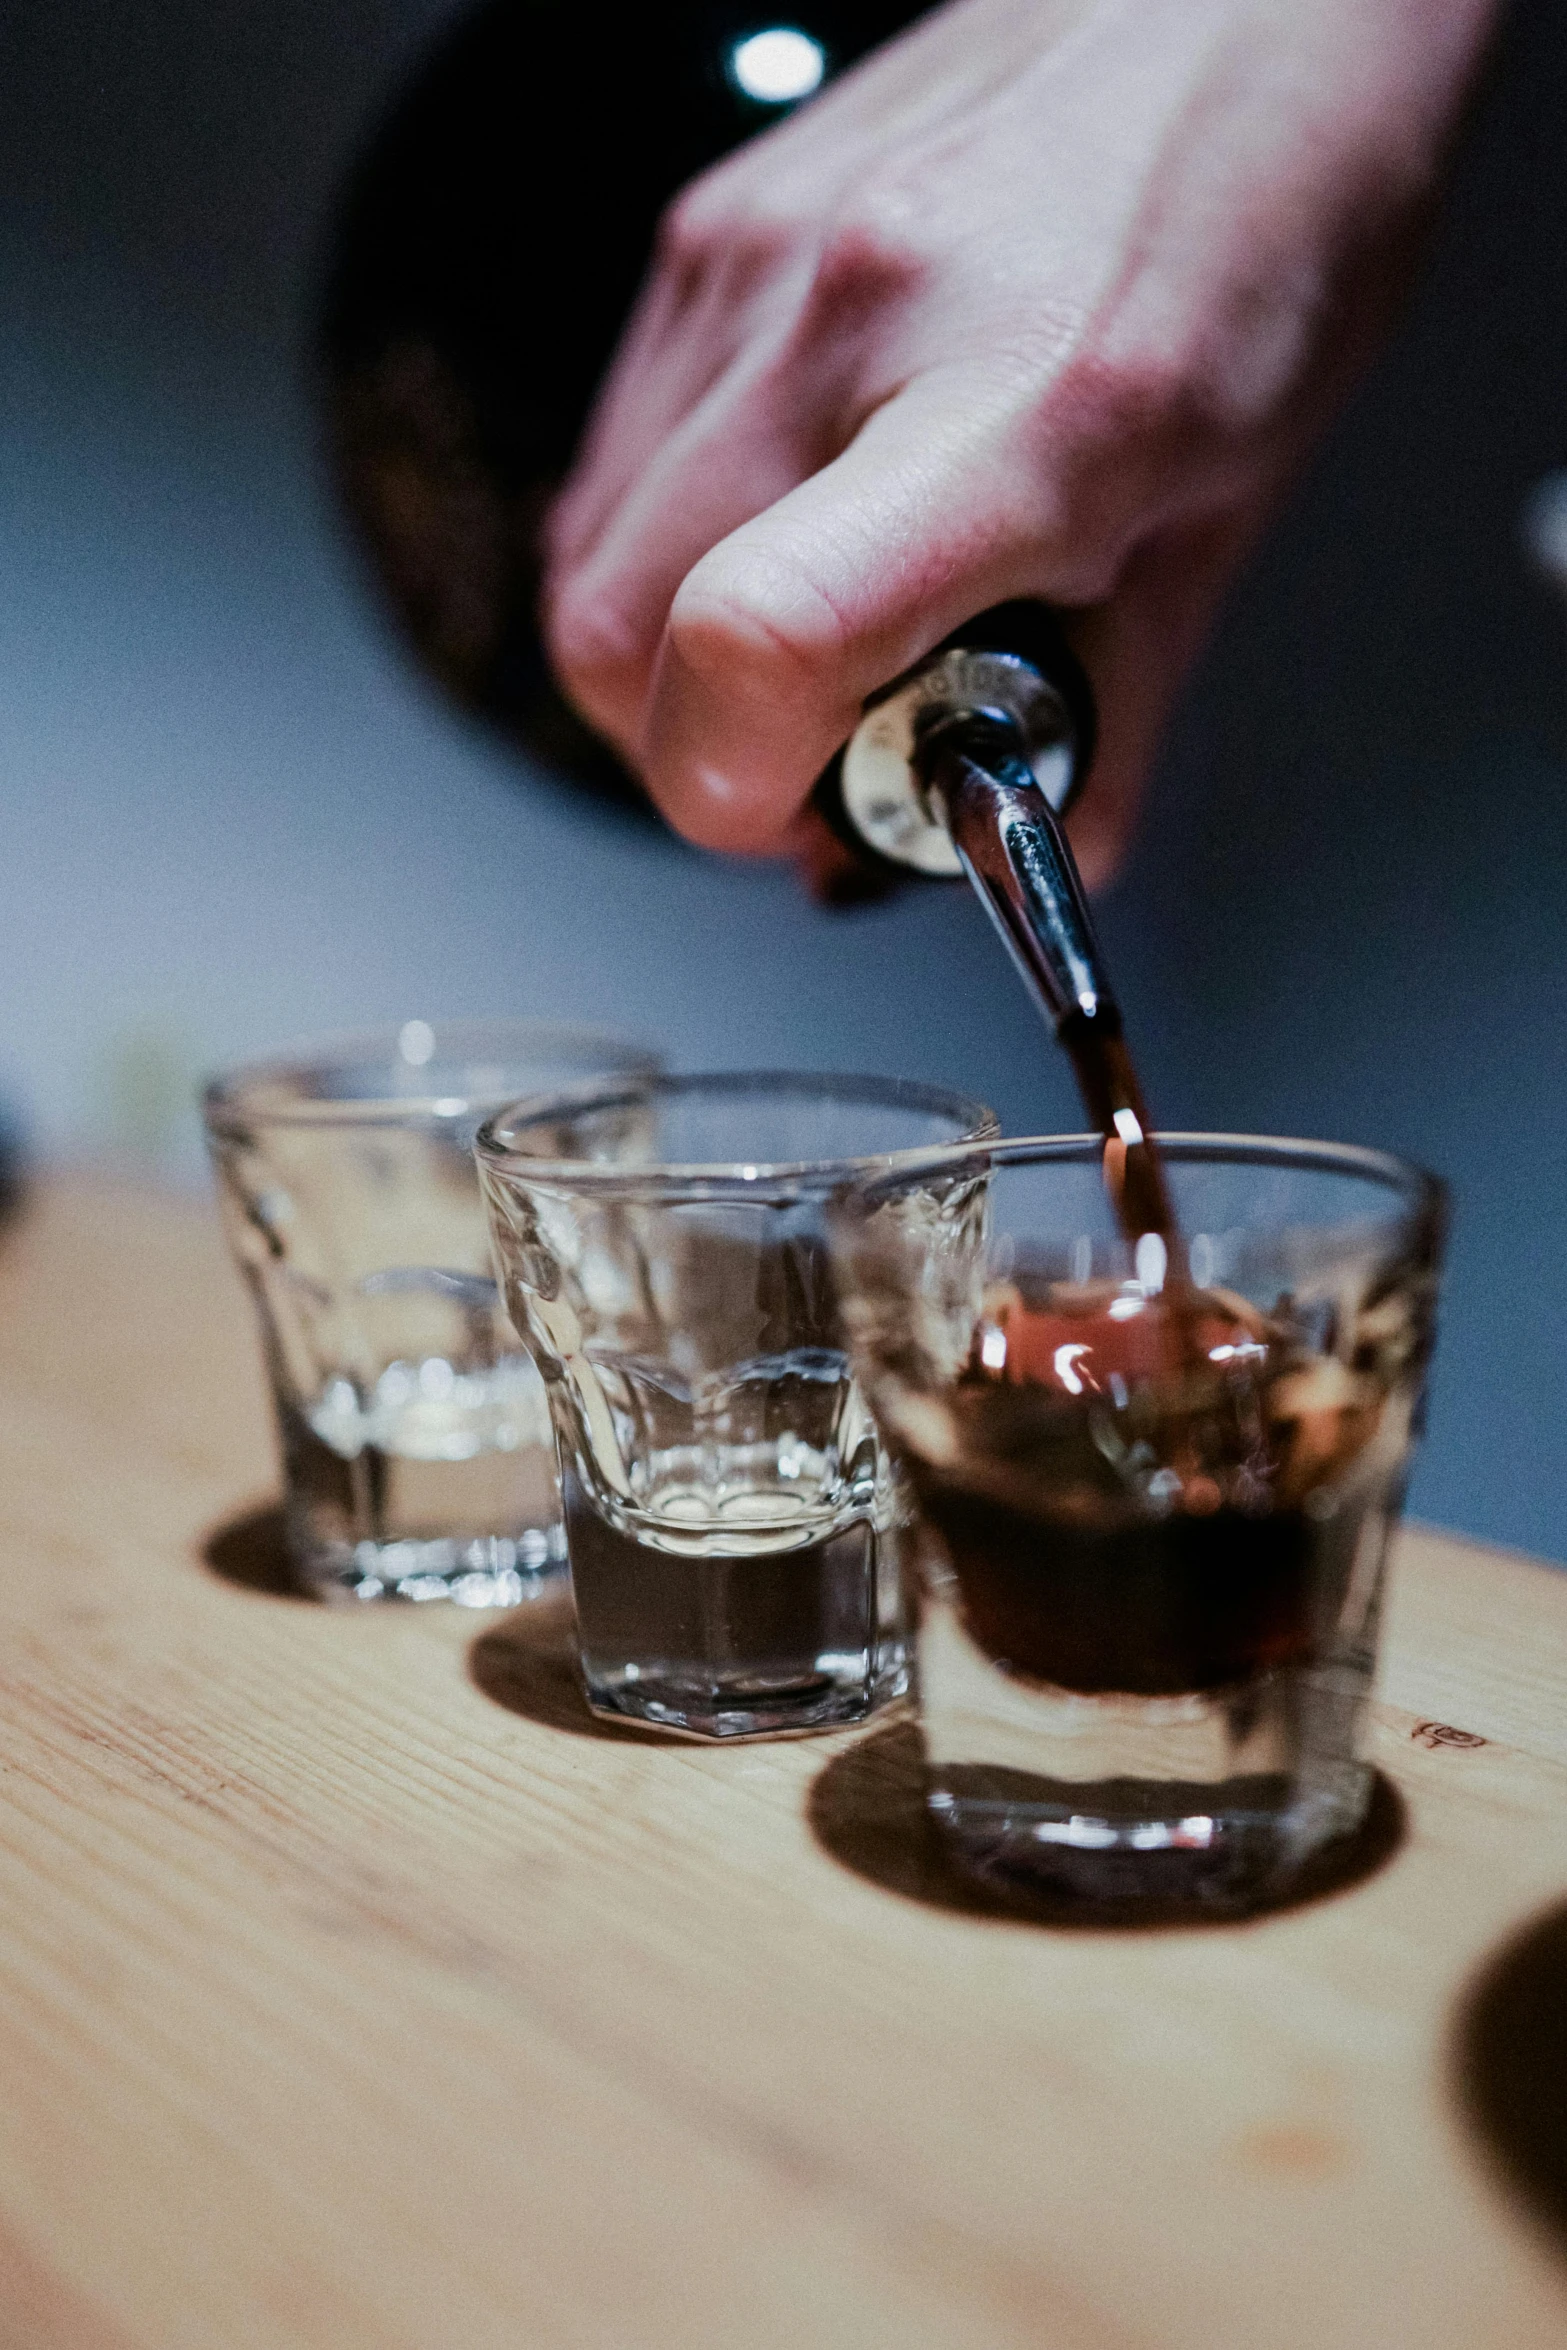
(354, 1993)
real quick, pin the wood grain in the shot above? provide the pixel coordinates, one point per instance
(355, 1991)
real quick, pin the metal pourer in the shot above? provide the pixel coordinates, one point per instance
(967, 764)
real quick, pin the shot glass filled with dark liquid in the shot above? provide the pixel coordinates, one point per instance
(1156, 1507)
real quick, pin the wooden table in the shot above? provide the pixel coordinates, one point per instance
(355, 1990)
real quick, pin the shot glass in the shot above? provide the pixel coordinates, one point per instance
(733, 1528)
(1155, 1497)
(417, 1461)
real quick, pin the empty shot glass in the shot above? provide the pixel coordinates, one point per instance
(734, 1531)
(417, 1459)
(1156, 1497)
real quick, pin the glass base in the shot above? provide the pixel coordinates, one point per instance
(753, 1705)
(481, 1570)
(1211, 1798)
(1139, 1847)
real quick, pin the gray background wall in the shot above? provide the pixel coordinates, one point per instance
(231, 814)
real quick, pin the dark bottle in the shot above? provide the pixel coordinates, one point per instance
(490, 244)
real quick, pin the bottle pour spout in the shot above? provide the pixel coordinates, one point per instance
(966, 765)
(1012, 661)
(1010, 842)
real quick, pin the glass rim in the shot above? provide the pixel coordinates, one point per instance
(721, 1178)
(1414, 1186)
(226, 1095)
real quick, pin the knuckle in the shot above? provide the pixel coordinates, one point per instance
(1113, 439)
(716, 225)
(1152, 376)
(1127, 398)
(866, 258)
(687, 232)
(761, 628)
(863, 276)
(594, 645)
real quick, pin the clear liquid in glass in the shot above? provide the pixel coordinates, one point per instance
(436, 1483)
(724, 1600)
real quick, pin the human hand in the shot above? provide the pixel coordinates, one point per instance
(1046, 298)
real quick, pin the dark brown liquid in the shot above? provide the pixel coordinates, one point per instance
(1112, 1527)
(1152, 1609)
(1113, 1097)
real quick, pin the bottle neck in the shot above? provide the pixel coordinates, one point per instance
(1012, 661)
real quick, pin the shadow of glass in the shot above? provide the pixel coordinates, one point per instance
(528, 1663)
(867, 1810)
(252, 1552)
(1510, 2059)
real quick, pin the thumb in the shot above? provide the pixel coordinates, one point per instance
(777, 635)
